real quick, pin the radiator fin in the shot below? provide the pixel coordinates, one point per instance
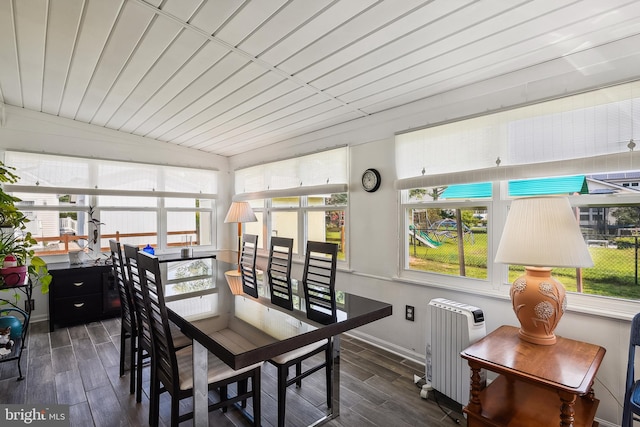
(453, 327)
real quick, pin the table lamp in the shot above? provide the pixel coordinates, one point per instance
(540, 233)
(239, 212)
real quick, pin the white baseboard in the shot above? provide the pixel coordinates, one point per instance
(392, 348)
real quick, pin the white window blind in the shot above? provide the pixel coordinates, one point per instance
(93, 176)
(318, 173)
(596, 125)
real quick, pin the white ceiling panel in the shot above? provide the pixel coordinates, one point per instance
(97, 22)
(250, 17)
(213, 14)
(158, 108)
(10, 87)
(244, 92)
(62, 29)
(31, 27)
(159, 35)
(231, 76)
(125, 36)
(191, 98)
(238, 115)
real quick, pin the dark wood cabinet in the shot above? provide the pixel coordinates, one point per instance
(81, 294)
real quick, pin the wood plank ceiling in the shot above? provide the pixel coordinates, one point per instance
(231, 76)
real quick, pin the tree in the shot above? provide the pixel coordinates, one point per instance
(627, 216)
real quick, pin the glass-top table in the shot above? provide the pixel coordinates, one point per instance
(243, 330)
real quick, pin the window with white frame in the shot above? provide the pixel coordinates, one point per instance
(303, 198)
(580, 146)
(79, 204)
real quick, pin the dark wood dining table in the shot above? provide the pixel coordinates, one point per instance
(243, 330)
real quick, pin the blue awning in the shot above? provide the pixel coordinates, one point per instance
(542, 186)
(467, 191)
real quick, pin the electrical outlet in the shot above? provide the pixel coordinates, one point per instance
(409, 313)
(29, 306)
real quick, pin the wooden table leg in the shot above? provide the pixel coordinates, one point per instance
(567, 413)
(476, 387)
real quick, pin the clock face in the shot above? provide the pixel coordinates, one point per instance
(371, 180)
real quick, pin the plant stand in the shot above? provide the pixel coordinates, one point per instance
(8, 307)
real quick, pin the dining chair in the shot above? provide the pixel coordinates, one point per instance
(128, 322)
(279, 271)
(631, 405)
(248, 264)
(144, 346)
(174, 371)
(318, 280)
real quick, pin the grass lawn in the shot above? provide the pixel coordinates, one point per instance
(613, 274)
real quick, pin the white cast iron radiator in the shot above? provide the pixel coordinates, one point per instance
(453, 326)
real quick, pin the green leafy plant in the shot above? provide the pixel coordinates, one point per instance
(15, 239)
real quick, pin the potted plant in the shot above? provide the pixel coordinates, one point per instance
(17, 257)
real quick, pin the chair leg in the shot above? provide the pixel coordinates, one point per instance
(132, 364)
(283, 372)
(224, 396)
(256, 397)
(175, 411)
(328, 372)
(140, 357)
(123, 337)
(242, 389)
(154, 402)
(298, 373)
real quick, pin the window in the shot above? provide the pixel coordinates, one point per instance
(79, 204)
(303, 198)
(522, 152)
(608, 214)
(317, 218)
(444, 235)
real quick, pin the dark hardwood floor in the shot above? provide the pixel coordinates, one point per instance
(78, 366)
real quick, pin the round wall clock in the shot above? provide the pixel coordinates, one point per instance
(371, 180)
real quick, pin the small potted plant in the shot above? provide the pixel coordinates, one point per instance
(17, 257)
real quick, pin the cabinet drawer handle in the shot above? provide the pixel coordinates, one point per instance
(78, 284)
(78, 304)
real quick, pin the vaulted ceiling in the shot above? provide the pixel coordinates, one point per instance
(231, 76)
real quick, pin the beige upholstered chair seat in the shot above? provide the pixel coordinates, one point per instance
(180, 340)
(218, 370)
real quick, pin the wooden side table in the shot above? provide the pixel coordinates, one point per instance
(538, 385)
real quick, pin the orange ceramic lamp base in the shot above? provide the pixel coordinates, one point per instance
(539, 302)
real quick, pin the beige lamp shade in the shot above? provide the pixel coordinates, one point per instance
(240, 212)
(541, 232)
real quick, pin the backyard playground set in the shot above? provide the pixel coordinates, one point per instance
(436, 233)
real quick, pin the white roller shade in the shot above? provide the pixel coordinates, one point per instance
(318, 173)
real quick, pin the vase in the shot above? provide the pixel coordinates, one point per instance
(539, 301)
